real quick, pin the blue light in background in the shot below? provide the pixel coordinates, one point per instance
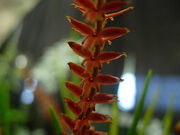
(27, 96)
(127, 92)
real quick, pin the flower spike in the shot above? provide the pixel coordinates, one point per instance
(91, 50)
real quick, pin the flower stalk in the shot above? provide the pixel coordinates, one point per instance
(95, 13)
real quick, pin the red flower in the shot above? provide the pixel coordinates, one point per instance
(106, 34)
(91, 13)
(90, 60)
(90, 81)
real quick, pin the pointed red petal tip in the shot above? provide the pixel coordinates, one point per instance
(88, 4)
(113, 6)
(108, 56)
(112, 33)
(107, 79)
(68, 121)
(97, 117)
(78, 7)
(78, 70)
(80, 50)
(111, 15)
(80, 27)
(74, 89)
(104, 98)
(74, 107)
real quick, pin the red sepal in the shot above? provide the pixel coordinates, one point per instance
(97, 117)
(74, 107)
(80, 50)
(108, 56)
(107, 79)
(74, 89)
(112, 33)
(101, 98)
(86, 4)
(68, 121)
(80, 27)
(78, 70)
(113, 6)
(111, 15)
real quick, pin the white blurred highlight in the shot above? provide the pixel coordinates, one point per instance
(21, 61)
(127, 92)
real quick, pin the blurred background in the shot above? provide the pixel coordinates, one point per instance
(33, 69)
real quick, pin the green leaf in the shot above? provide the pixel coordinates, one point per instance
(139, 109)
(114, 126)
(149, 113)
(5, 107)
(55, 120)
(167, 121)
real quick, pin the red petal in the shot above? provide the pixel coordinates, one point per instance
(107, 79)
(74, 107)
(89, 42)
(104, 98)
(80, 27)
(80, 50)
(111, 15)
(78, 7)
(108, 56)
(97, 117)
(88, 4)
(78, 70)
(113, 6)
(76, 90)
(112, 33)
(69, 122)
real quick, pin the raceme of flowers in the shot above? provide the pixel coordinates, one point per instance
(96, 15)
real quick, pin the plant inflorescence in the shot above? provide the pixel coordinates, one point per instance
(96, 14)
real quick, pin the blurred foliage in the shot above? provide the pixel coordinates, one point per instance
(55, 120)
(139, 109)
(10, 76)
(149, 113)
(115, 114)
(167, 121)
